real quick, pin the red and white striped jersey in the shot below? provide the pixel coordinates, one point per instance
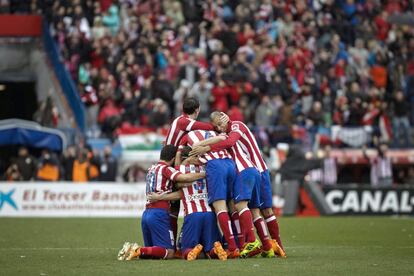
(180, 126)
(240, 158)
(160, 178)
(194, 197)
(196, 136)
(239, 132)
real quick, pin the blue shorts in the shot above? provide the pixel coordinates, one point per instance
(200, 228)
(266, 191)
(156, 228)
(221, 175)
(247, 187)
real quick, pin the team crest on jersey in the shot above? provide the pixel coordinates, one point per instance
(235, 127)
(199, 186)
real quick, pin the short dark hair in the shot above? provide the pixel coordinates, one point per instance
(168, 152)
(190, 105)
(185, 152)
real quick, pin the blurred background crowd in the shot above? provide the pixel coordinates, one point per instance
(277, 65)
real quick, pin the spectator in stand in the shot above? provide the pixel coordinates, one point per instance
(401, 123)
(93, 164)
(159, 114)
(329, 167)
(68, 159)
(381, 167)
(47, 115)
(109, 117)
(265, 114)
(26, 164)
(80, 171)
(180, 94)
(134, 173)
(108, 166)
(13, 174)
(48, 167)
(202, 91)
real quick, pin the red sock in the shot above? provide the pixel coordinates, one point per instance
(262, 232)
(246, 224)
(185, 253)
(225, 226)
(273, 227)
(155, 252)
(236, 223)
(174, 226)
(212, 254)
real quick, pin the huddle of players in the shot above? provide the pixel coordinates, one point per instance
(214, 174)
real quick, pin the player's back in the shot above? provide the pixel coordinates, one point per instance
(240, 157)
(196, 136)
(178, 128)
(249, 145)
(194, 197)
(159, 180)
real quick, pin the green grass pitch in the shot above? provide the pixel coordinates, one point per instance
(315, 246)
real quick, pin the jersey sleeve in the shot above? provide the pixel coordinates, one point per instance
(187, 124)
(234, 135)
(183, 142)
(171, 173)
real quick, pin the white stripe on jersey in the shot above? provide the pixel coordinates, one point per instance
(250, 147)
(240, 158)
(172, 130)
(195, 197)
(197, 136)
(190, 125)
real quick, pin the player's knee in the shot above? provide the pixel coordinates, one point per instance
(267, 212)
(255, 213)
(241, 205)
(219, 206)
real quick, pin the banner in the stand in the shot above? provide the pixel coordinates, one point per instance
(370, 201)
(71, 200)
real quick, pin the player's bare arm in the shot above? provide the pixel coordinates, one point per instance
(153, 197)
(210, 141)
(178, 160)
(190, 177)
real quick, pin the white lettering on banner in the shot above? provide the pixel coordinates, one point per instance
(330, 199)
(405, 206)
(371, 201)
(390, 202)
(351, 202)
(71, 200)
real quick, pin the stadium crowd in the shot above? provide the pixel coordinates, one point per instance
(277, 65)
(78, 164)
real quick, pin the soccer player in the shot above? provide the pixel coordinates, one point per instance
(156, 228)
(246, 193)
(238, 132)
(221, 175)
(179, 127)
(200, 232)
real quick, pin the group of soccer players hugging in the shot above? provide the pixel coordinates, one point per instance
(216, 170)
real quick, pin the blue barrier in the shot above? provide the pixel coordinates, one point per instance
(65, 80)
